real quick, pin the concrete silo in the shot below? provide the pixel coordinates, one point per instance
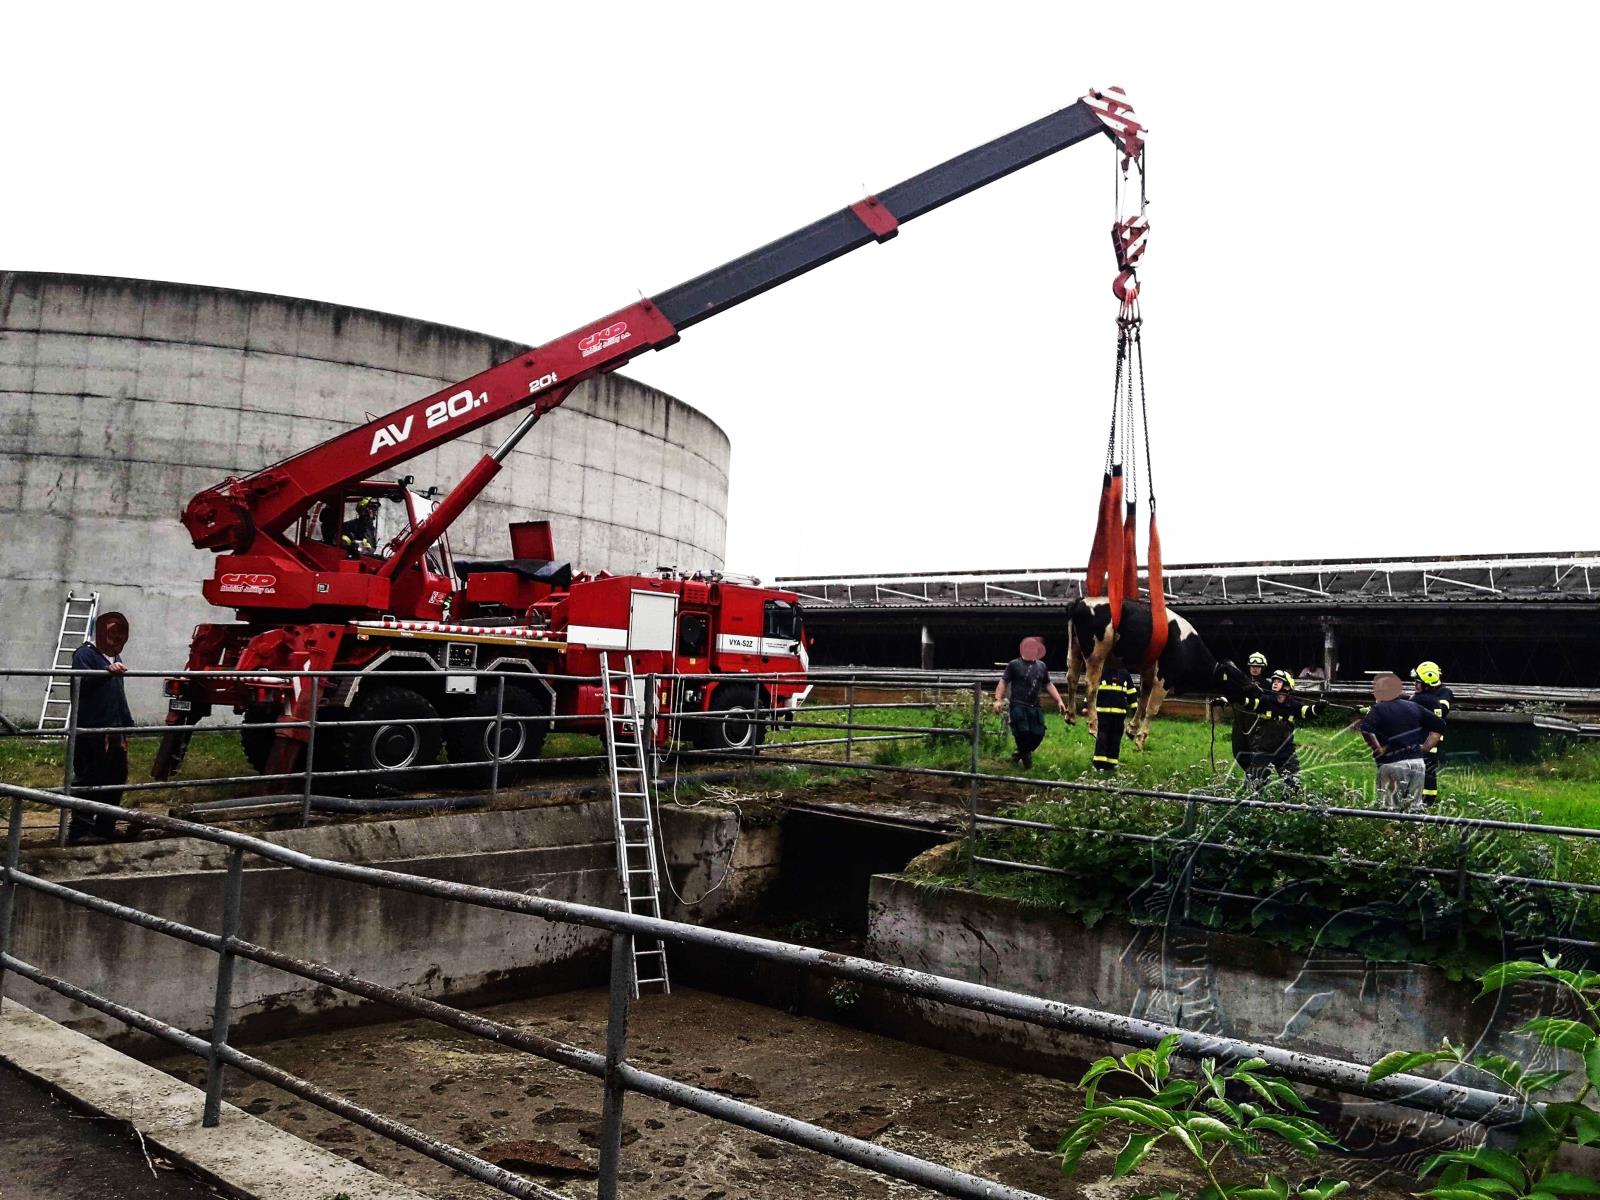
(121, 398)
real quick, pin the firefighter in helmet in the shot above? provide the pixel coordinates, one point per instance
(1432, 695)
(1245, 721)
(1280, 711)
(360, 534)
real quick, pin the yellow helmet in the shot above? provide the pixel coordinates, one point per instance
(1288, 679)
(1428, 673)
(1257, 659)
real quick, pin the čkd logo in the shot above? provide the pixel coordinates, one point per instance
(600, 339)
(241, 581)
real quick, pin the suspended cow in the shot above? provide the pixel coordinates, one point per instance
(1182, 664)
(1111, 621)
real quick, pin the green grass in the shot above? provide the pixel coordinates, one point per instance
(218, 754)
(37, 763)
(1394, 886)
(1336, 765)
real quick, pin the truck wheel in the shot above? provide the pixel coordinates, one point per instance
(523, 727)
(733, 725)
(395, 747)
(258, 734)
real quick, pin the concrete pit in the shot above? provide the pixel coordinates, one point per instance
(985, 1119)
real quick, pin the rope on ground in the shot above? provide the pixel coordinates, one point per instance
(722, 795)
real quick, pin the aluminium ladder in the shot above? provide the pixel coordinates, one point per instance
(637, 857)
(77, 625)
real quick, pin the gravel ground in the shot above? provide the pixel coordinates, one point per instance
(523, 1111)
(51, 1151)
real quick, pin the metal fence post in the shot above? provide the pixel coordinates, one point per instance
(499, 724)
(1186, 877)
(8, 887)
(311, 751)
(221, 1008)
(62, 823)
(616, 1054)
(972, 785)
(647, 736)
(1464, 848)
(849, 719)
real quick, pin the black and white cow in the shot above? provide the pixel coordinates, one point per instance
(1185, 665)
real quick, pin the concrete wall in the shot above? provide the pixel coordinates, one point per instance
(1327, 1003)
(428, 947)
(121, 398)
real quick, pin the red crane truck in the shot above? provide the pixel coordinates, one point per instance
(331, 563)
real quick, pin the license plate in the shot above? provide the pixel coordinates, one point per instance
(178, 706)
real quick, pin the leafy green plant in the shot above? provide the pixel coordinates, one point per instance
(1286, 871)
(844, 994)
(1528, 1173)
(1214, 1130)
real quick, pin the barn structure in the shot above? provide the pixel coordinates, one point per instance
(1530, 619)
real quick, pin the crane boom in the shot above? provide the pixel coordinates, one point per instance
(240, 514)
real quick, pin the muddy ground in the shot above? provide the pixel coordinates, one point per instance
(987, 1120)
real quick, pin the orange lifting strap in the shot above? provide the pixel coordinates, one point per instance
(1094, 583)
(1115, 587)
(1158, 596)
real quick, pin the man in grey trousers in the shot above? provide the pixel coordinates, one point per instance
(1400, 734)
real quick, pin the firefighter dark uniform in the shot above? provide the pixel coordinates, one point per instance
(1114, 704)
(1280, 712)
(1245, 722)
(1436, 698)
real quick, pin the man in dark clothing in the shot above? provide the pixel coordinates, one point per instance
(1246, 722)
(1432, 695)
(360, 534)
(1400, 734)
(1025, 677)
(100, 759)
(1272, 742)
(1114, 703)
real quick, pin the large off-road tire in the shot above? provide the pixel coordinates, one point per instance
(392, 750)
(524, 725)
(733, 724)
(257, 734)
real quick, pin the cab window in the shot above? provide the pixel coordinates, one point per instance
(782, 621)
(694, 635)
(361, 524)
(437, 557)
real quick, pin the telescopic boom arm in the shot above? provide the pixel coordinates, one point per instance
(230, 516)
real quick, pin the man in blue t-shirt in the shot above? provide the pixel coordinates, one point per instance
(1400, 734)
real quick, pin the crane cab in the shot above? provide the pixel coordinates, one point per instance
(336, 552)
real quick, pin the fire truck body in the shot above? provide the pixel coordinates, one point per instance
(527, 618)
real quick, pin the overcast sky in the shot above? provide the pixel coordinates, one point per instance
(1368, 294)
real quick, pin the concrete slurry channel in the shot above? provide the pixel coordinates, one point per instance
(428, 947)
(820, 870)
(542, 1120)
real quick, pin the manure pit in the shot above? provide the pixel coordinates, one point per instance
(543, 1120)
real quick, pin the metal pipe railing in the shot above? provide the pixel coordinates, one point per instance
(789, 751)
(1351, 1078)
